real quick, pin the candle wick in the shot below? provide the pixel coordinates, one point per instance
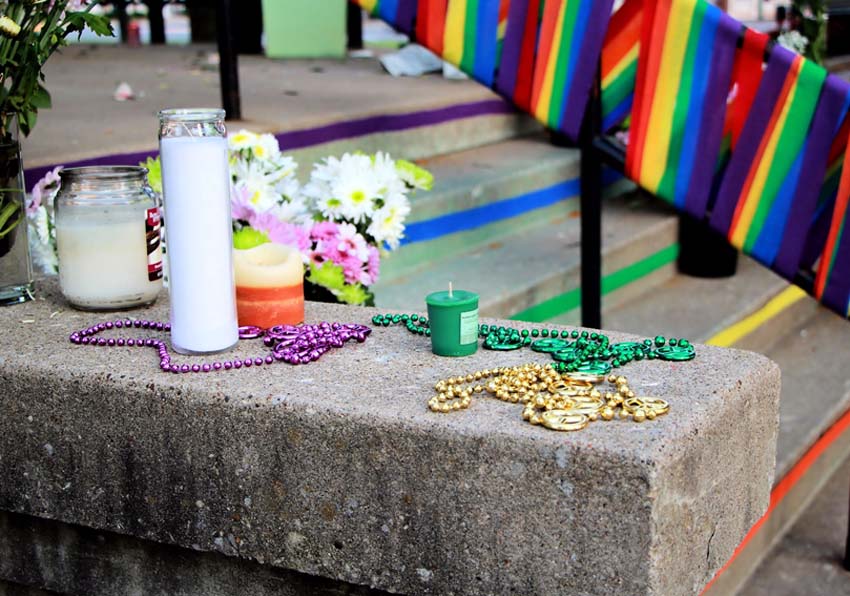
(450, 289)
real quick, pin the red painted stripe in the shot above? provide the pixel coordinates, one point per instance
(781, 490)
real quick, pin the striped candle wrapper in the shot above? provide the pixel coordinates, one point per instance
(682, 83)
(619, 64)
(774, 135)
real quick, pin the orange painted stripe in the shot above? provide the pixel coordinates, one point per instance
(790, 81)
(655, 18)
(547, 34)
(781, 490)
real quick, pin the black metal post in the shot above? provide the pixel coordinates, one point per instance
(591, 214)
(228, 63)
(354, 26)
(156, 21)
(123, 19)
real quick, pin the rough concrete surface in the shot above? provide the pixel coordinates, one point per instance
(337, 468)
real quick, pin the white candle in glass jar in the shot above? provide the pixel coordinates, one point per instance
(196, 189)
(104, 264)
(108, 238)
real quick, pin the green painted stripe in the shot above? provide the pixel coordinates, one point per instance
(566, 302)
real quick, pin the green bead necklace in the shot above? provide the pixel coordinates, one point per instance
(573, 351)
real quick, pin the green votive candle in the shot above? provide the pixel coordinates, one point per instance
(453, 318)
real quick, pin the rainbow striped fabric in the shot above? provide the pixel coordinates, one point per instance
(541, 55)
(683, 77)
(712, 130)
(767, 158)
(619, 64)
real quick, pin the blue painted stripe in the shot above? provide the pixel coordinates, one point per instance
(461, 221)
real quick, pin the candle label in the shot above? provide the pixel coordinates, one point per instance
(469, 326)
(153, 223)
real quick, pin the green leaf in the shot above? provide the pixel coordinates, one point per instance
(99, 24)
(41, 98)
(26, 120)
(7, 212)
(248, 237)
(154, 167)
(353, 294)
(414, 175)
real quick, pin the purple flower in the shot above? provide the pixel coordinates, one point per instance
(281, 232)
(324, 231)
(44, 190)
(240, 204)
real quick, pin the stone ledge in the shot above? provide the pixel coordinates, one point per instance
(337, 469)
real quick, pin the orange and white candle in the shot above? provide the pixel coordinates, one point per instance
(269, 285)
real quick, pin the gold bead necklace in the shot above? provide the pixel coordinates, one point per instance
(558, 401)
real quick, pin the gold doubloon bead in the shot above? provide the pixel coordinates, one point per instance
(639, 415)
(651, 415)
(607, 413)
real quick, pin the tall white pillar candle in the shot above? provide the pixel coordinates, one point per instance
(196, 189)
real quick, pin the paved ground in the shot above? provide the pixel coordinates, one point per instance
(276, 96)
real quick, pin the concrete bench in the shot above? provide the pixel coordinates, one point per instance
(118, 478)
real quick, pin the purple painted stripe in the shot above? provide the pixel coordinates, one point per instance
(511, 48)
(713, 116)
(296, 139)
(308, 137)
(827, 119)
(586, 66)
(748, 144)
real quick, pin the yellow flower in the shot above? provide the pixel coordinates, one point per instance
(9, 28)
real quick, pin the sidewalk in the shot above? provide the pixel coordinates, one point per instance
(277, 96)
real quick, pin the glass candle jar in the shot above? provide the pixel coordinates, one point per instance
(196, 195)
(108, 238)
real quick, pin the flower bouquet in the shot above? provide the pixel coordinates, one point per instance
(347, 215)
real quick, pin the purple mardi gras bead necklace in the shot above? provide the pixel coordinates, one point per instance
(291, 344)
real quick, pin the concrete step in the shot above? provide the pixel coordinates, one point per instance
(810, 345)
(698, 309)
(318, 107)
(533, 274)
(483, 194)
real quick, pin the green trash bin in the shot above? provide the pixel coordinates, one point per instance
(304, 28)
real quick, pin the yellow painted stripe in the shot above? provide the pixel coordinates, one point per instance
(735, 333)
(622, 65)
(453, 38)
(541, 110)
(659, 127)
(751, 202)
